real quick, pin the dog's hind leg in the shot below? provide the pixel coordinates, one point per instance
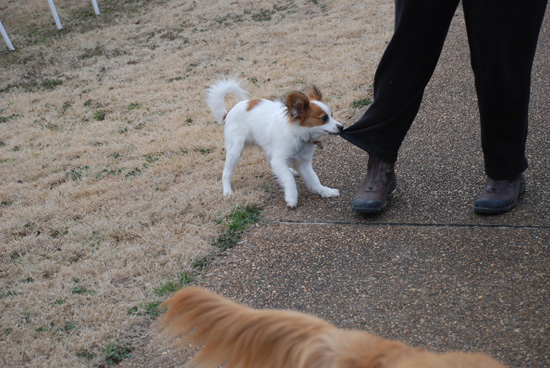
(286, 180)
(233, 151)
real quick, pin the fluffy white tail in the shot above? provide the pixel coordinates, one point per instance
(216, 96)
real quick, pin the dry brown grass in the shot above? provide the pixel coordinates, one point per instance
(110, 162)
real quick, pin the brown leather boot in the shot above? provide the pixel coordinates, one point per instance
(380, 181)
(499, 196)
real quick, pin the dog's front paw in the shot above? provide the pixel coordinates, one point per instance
(291, 201)
(292, 204)
(227, 193)
(327, 192)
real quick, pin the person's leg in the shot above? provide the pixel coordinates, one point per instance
(402, 75)
(503, 37)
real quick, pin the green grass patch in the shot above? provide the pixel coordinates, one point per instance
(88, 53)
(44, 329)
(99, 115)
(152, 308)
(67, 328)
(201, 264)
(171, 286)
(205, 151)
(235, 224)
(360, 103)
(66, 106)
(58, 233)
(50, 84)
(108, 171)
(115, 354)
(140, 125)
(85, 355)
(76, 173)
(150, 158)
(7, 293)
(135, 172)
(79, 290)
(134, 106)
(149, 309)
(5, 119)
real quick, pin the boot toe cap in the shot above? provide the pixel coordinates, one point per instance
(367, 206)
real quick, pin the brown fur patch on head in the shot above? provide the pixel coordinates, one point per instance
(313, 93)
(253, 103)
(301, 111)
(316, 116)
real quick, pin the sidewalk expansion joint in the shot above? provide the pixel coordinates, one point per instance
(409, 224)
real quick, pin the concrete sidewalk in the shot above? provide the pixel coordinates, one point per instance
(427, 271)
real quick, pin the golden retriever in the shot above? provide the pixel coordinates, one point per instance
(240, 337)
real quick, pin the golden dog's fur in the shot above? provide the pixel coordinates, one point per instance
(240, 337)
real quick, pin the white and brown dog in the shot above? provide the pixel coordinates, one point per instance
(236, 336)
(286, 131)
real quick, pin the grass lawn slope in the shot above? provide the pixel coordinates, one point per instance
(110, 162)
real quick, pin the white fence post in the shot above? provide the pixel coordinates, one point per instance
(6, 38)
(96, 8)
(55, 16)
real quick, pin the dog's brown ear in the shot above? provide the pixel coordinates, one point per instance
(313, 93)
(297, 104)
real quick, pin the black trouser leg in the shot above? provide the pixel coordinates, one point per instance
(503, 37)
(405, 69)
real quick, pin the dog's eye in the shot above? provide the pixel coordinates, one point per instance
(325, 118)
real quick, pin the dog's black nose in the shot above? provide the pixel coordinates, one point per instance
(341, 128)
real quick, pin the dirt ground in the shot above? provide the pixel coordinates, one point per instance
(110, 162)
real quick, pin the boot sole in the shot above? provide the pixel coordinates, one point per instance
(494, 211)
